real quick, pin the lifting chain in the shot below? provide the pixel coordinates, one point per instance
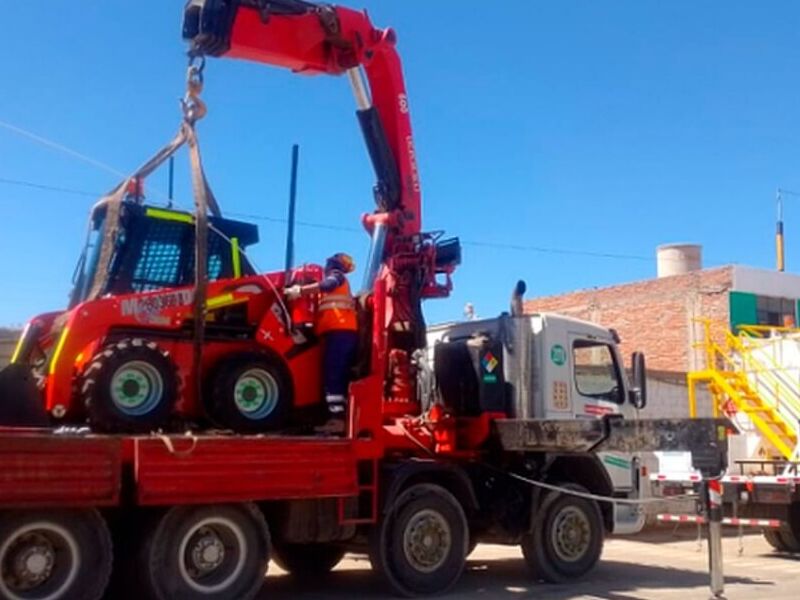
(193, 107)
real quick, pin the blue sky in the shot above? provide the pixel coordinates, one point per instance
(591, 127)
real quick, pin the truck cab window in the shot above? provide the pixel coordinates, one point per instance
(596, 371)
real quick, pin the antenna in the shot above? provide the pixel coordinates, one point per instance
(779, 240)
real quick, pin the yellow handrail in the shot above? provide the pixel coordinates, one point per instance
(792, 400)
(729, 371)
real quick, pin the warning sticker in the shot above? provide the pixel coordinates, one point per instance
(489, 362)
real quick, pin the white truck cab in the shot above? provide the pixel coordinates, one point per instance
(553, 368)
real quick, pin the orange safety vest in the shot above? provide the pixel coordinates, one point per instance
(337, 310)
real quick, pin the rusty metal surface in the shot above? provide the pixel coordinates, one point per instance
(706, 439)
(178, 470)
(45, 469)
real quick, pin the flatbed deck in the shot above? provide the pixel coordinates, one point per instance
(45, 468)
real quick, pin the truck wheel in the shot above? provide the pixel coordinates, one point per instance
(129, 386)
(774, 539)
(420, 546)
(44, 555)
(301, 560)
(790, 534)
(250, 393)
(211, 552)
(567, 537)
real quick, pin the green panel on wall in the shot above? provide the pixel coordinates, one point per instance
(742, 309)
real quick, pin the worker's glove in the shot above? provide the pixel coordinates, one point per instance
(293, 292)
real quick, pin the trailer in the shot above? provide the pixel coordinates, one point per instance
(751, 374)
(768, 501)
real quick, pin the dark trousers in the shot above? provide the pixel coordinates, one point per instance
(339, 354)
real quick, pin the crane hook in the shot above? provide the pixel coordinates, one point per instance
(193, 107)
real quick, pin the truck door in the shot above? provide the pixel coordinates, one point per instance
(597, 386)
(598, 389)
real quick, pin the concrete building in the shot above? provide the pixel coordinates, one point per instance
(659, 316)
(8, 339)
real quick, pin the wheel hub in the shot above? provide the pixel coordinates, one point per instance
(571, 534)
(31, 561)
(256, 393)
(208, 553)
(427, 541)
(137, 388)
(212, 555)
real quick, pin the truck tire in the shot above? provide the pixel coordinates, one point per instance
(214, 552)
(64, 554)
(129, 386)
(307, 560)
(567, 537)
(250, 393)
(774, 539)
(420, 545)
(787, 537)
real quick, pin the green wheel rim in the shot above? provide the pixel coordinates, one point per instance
(137, 388)
(256, 394)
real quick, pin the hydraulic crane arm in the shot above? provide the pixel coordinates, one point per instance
(312, 39)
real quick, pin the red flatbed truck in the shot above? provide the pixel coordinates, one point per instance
(199, 515)
(464, 439)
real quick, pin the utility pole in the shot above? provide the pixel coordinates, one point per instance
(780, 262)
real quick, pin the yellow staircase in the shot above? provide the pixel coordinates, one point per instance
(742, 379)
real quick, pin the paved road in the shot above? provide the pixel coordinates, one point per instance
(658, 565)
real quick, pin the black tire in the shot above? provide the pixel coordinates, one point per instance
(774, 539)
(307, 560)
(249, 379)
(172, 552)
(399, 556)
(70, 549)
(136, 366)
(790, 533)
(551, 550)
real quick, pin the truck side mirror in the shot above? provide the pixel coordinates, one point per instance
(638, 392)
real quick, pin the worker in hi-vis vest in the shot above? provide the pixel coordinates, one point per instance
(337, 326)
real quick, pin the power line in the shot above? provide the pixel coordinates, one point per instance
(308, 224)
(49, 188)
(61, 148)
(549, 250)
(346, 229)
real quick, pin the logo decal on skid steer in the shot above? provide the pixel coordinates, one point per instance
(149, 309)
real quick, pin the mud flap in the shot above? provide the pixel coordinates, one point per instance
(21, 402)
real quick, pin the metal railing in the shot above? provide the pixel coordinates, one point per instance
(759, 388)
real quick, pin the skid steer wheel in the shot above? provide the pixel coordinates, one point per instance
(307, 560)
(250, 392)
(215, 552)
(421, 544)
(63, 554)
(130, 385)
(567, 537)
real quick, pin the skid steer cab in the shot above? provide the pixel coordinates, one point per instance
(121, 355)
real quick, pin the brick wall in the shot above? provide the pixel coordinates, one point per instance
(654, 316)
